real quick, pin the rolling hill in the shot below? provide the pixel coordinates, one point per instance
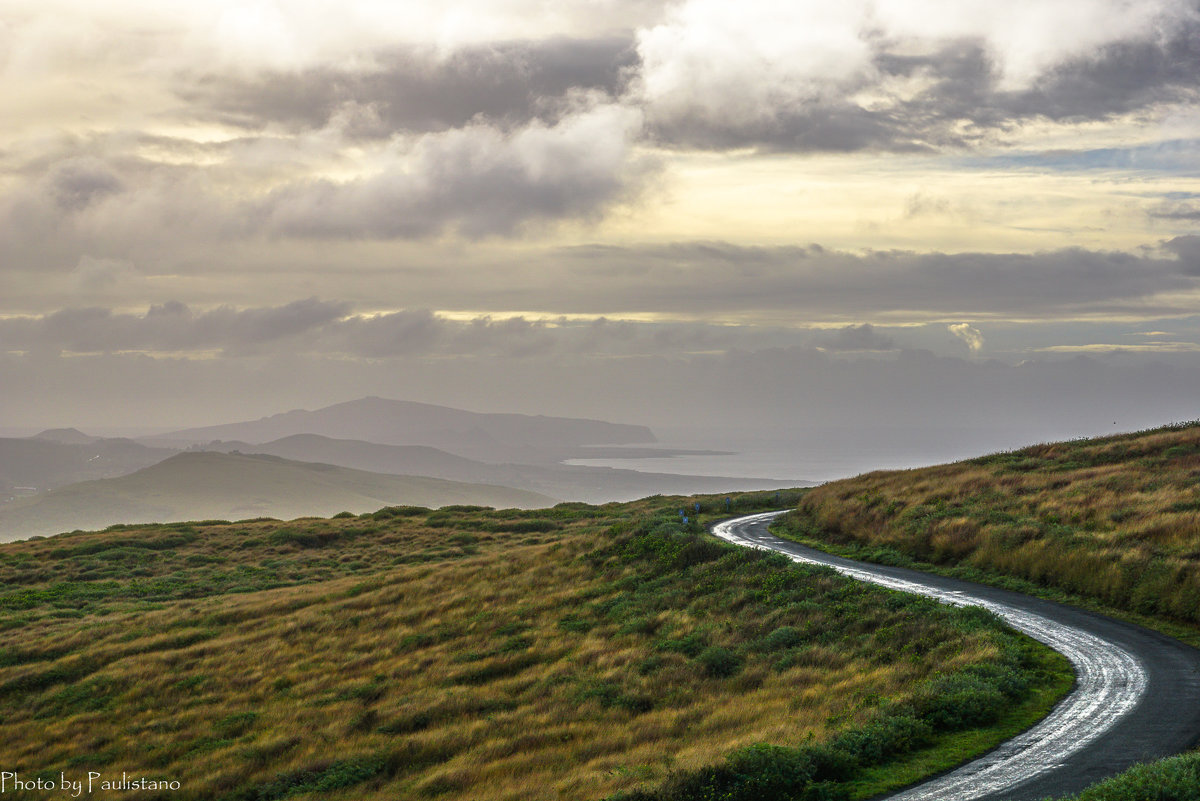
(1114, 520)
(467, 655)
(568, 482)
(194, 486)
(55, 459)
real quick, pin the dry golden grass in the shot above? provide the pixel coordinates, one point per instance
(1116, 519)
(419, 654)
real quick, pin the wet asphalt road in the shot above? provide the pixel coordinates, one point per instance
(1137, 696)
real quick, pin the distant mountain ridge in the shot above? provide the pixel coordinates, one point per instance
(51, 482)
(569, 482)
(206, 485)
(490, 437)
(49, 460)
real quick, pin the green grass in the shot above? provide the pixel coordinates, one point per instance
(1174, 779)
(1113, 520)
(1109, 524)
(798, 528)
(947, 751)
(468, 653)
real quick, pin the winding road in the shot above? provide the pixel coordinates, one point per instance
(1136, 696)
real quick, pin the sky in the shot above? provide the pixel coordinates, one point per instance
(776, 218)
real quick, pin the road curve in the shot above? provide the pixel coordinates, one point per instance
(1136, 697)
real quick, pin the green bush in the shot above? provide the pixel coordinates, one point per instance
(400, 511)
(719, 662)
(308, 538)
(959, 701)
(1174, 779)
(781, 639)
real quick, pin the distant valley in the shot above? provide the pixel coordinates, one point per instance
(204, 485)
(64, 479)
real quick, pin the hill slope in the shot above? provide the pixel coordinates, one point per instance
(467, 655)
(491, 437)
(569, 482)
(43, 462)
(1115, 519)
(196, 486)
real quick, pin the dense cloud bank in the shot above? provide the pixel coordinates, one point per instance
(782, 392)
(493, 137)
(917, 75)
(795, 286)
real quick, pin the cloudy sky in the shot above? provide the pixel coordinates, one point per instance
(907, 212)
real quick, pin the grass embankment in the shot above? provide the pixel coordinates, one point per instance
(1114, 521)
(1174, 779)
(1110, 523)
(464, 654)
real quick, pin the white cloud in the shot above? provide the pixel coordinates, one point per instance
(718, 60)
(164, 35)
(1028, 37)
(754, 63)
(968, 334)
(478, 180)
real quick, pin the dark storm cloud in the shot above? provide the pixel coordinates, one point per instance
(417, 90)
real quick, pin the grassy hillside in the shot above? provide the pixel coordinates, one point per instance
(195, 486)
(1115, 519)
(1112, 522)
(462, 653)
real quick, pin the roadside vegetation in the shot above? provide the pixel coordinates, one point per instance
(1174, 779)
(468, 653)
(1111, 523)
(1115, 520)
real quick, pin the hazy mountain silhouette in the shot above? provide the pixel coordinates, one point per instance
(69, 436)
(54, 459)
(204, 485)
(568, 482)
(489, 437)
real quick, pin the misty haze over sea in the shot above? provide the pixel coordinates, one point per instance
(828, 454)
